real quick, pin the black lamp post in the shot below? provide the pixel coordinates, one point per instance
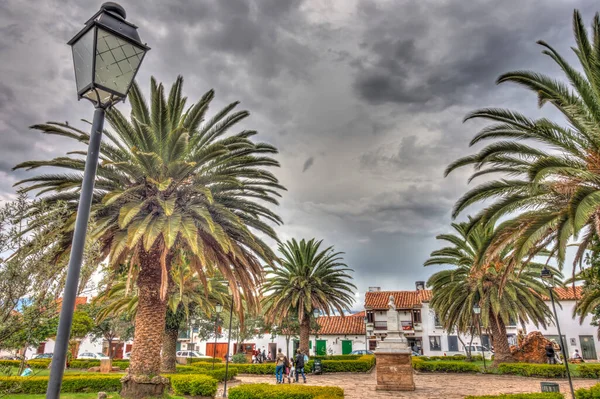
(218, 309)
(548, 280)
(107, 54)
(366, 320)
(228, 344)
(477, 311)
(316, 314)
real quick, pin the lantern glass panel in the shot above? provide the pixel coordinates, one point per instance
(83, 57)
(116, 62)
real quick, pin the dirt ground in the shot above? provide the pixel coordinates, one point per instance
(429, 386)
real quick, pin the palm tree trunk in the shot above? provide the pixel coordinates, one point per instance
(501, 347)
(143, 379)
(304, 334)
(169, 351)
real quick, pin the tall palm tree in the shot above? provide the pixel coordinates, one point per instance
(554, 169)
(478, 279)
(309, 278)
(187, 294)
(170, 179)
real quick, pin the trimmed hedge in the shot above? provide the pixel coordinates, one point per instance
(587, 370)
(533, 370)
(589, 393)
(34, 363)
(339, 357)
(541, 395)
(194, 385)
(268, 391)
(454, 358)
(70, 384)
(192, 360)
(87, 363)
(218, 373)
(445, 366)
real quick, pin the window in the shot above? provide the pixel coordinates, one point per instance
(452, 343)
(436, 319)
(370, 317)
(417, 316)
(435, 343)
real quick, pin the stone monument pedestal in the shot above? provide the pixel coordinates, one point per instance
(394, 372)
(393, 357)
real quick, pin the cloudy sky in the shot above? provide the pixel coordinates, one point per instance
(363, 98)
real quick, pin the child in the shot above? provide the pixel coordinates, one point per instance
(27, 372)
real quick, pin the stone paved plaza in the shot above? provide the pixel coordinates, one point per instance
(429, 386)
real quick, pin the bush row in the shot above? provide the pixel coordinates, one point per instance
(541, 395)
(444, 366)
(87, 363)
(35, 364)
(588, 370)
(451, 358)
(267, 391)
(38, 385)
(339, 357)
(533, 370)
(218, 374)
(194, 385)
(364, 364)
(192, 360)
(589, 393)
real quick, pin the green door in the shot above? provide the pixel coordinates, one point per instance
(321, 347)
(346, 347)
(588, 350)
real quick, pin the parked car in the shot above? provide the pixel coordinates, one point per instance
(91, 355)
(478, 349)
(192, 354)
(362, 352)
(10, 357)
(43, 356)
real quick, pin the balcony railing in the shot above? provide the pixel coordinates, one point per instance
(381, 325)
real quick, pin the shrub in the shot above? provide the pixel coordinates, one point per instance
(87, 363)
(589, 393)
(344, 366)
(543, 395)
(532, 370)
(194, 385)
(191, 360)
(218, 373)
(239, 358)
(339, 357)
(80, 383)
(445, 366)
(267, 391)
(454, 358)
(589, 370)
(35, 364)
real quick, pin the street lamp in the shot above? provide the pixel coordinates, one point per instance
(192, 324)
(477, 311)
(366, 320)
(228, 344)
(107, 54)
(316, 314)
(548, 280)
(218, 309)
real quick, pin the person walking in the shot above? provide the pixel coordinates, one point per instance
(299, 365)
(550, 355)
(279, 366)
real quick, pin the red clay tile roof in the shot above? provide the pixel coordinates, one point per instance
(334, 325)
(80, 300)
(359, 314)
(402, 299)
(569, 293)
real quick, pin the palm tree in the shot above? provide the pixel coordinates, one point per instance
(554, 170)
(308, 279)
(478, 279)
(169, 180)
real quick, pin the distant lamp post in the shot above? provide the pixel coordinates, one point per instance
(107, 54)
(477, 312)
(366, 320)
(316, 314)
(548, 280)
(192, 324)
(228, 345)
(218, 309)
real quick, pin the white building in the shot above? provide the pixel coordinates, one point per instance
(424, 333)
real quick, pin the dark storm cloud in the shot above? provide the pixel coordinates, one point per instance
(375, 89)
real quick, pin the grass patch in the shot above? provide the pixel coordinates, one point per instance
(111, 395)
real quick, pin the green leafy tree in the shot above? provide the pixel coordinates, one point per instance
(309, 278)
(478, 278)
(169, 178)
(109, 328)
(553, 168)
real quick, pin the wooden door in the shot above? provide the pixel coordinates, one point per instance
(321, 347)
(221, 350)
(588, 349)
(346, 347)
